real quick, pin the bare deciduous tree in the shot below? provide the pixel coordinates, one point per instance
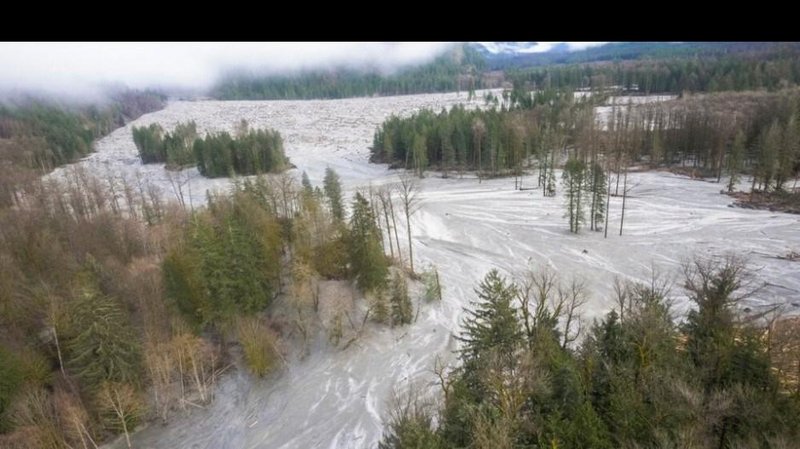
(385, 197)
(573, 297)
(73, 418)
(409, 189)
(124, 406)
(177, 180)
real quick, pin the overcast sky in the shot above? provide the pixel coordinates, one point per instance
(79, 68)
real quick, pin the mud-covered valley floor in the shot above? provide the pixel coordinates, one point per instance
(338, 398)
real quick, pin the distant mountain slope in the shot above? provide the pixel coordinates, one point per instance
(494, 49)
(518, 55)
(653, 66)
(457, 69)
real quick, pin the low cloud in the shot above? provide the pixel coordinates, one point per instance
(542, 47)
(86, 69)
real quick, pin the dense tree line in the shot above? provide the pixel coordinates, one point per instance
(704, 135)
(493, 141)
(37, 136)
(774, 68)
(536, 130)
(646, 67)
(81, 304)
(721, 136)
(716, 135)
(227, 261)
(249, 152)
(584, 183)
(173, 148)
(623, 51)
(637, 379)
(456, 70)
(46, 134)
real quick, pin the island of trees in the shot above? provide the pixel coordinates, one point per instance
(249, 152)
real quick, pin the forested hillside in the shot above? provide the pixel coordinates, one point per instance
(37, 135)
(646, 67)
(117, 310)
(458, 69)
(625, 51)
(771, 69)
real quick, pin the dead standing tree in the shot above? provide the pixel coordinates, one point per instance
(409, 189)
(385, 198)
(546, 303)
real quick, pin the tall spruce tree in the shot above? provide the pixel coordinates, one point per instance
(333, 190)
(308, 189)
(367, 261)
(597, 178)
(103, 345)
(493, 323)
(402, 309)
(574, 180)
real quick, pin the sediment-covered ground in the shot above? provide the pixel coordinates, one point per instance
(339, 398)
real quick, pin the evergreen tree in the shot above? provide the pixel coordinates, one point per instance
(420, 152)
(229, 263)
(710, 327)
(254, 152)
(598, 181)
(333, 190)
(574, 178)
(402, 309)
(551, 175)
(729, 357)
(448, 151)
(636, 381)
(183, 283)
(103, 345)
(367, 261)
(493, 323)
(410, 428)
(178, 145)
(150, 143)
(307, 188)
(11, 380)
(735, 160)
